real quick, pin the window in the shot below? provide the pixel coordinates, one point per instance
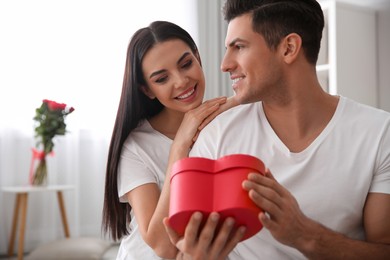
(73, 52)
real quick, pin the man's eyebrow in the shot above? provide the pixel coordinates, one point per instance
(163, 70)
(234, 41)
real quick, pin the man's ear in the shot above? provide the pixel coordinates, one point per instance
(291, 47)
(147, 92)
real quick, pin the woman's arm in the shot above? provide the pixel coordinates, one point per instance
(149, 205)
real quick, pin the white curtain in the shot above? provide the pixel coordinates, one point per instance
(72, 52)
(212, 30)
(79, 160)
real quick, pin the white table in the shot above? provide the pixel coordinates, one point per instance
(22, 193)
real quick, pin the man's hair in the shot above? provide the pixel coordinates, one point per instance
(275, 19)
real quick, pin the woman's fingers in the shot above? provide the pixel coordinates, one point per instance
(173, 236)
(209, 107)
(230, 102)
(195, 136)
(197, 118)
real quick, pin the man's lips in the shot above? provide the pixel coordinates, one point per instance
(236, 80)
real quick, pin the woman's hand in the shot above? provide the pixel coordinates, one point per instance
(230, 102)
(196, 119)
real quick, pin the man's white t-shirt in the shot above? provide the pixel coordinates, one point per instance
(330, 178)
(144, 159)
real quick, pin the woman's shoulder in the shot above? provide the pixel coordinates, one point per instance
(145, 136)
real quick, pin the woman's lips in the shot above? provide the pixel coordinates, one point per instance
(187, 94)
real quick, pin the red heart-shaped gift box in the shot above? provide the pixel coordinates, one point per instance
(206, 185)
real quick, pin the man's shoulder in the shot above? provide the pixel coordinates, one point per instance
(231, 120)
(363, 111)
(241, 111)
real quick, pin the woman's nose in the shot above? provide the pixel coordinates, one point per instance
(181, 80)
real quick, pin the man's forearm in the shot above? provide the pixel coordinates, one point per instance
(324, 243)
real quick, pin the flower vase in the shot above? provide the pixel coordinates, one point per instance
(38, 171)
(40, 175)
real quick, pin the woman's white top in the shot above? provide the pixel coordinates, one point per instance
(144, 159)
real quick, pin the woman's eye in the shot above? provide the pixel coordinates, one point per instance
(187, 64)
(161, 80)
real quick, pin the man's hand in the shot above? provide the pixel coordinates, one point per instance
(288, 224)
(281, 213)
(206, 243)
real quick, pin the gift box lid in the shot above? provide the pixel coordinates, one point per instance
(206, 165)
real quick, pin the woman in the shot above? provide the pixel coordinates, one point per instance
(161, 100)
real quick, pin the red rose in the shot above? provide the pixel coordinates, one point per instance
(54, 105)
(50, 121)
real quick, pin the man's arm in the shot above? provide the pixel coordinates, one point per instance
(290, 226)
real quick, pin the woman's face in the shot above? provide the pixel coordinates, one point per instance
(174, 76)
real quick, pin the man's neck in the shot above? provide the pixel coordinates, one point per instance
(300, 121)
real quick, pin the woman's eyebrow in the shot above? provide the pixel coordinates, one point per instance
(156, 73)
(163, 70)
(183, 57)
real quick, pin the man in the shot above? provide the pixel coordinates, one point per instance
(328, 196)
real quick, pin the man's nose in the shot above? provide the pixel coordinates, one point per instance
(226, 64)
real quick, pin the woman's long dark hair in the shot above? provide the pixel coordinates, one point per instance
(134, 107)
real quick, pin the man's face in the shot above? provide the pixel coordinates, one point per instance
(254, 69)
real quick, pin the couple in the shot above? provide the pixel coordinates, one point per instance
(326, 193)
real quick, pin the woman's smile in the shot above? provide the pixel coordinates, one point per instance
(187, 95)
